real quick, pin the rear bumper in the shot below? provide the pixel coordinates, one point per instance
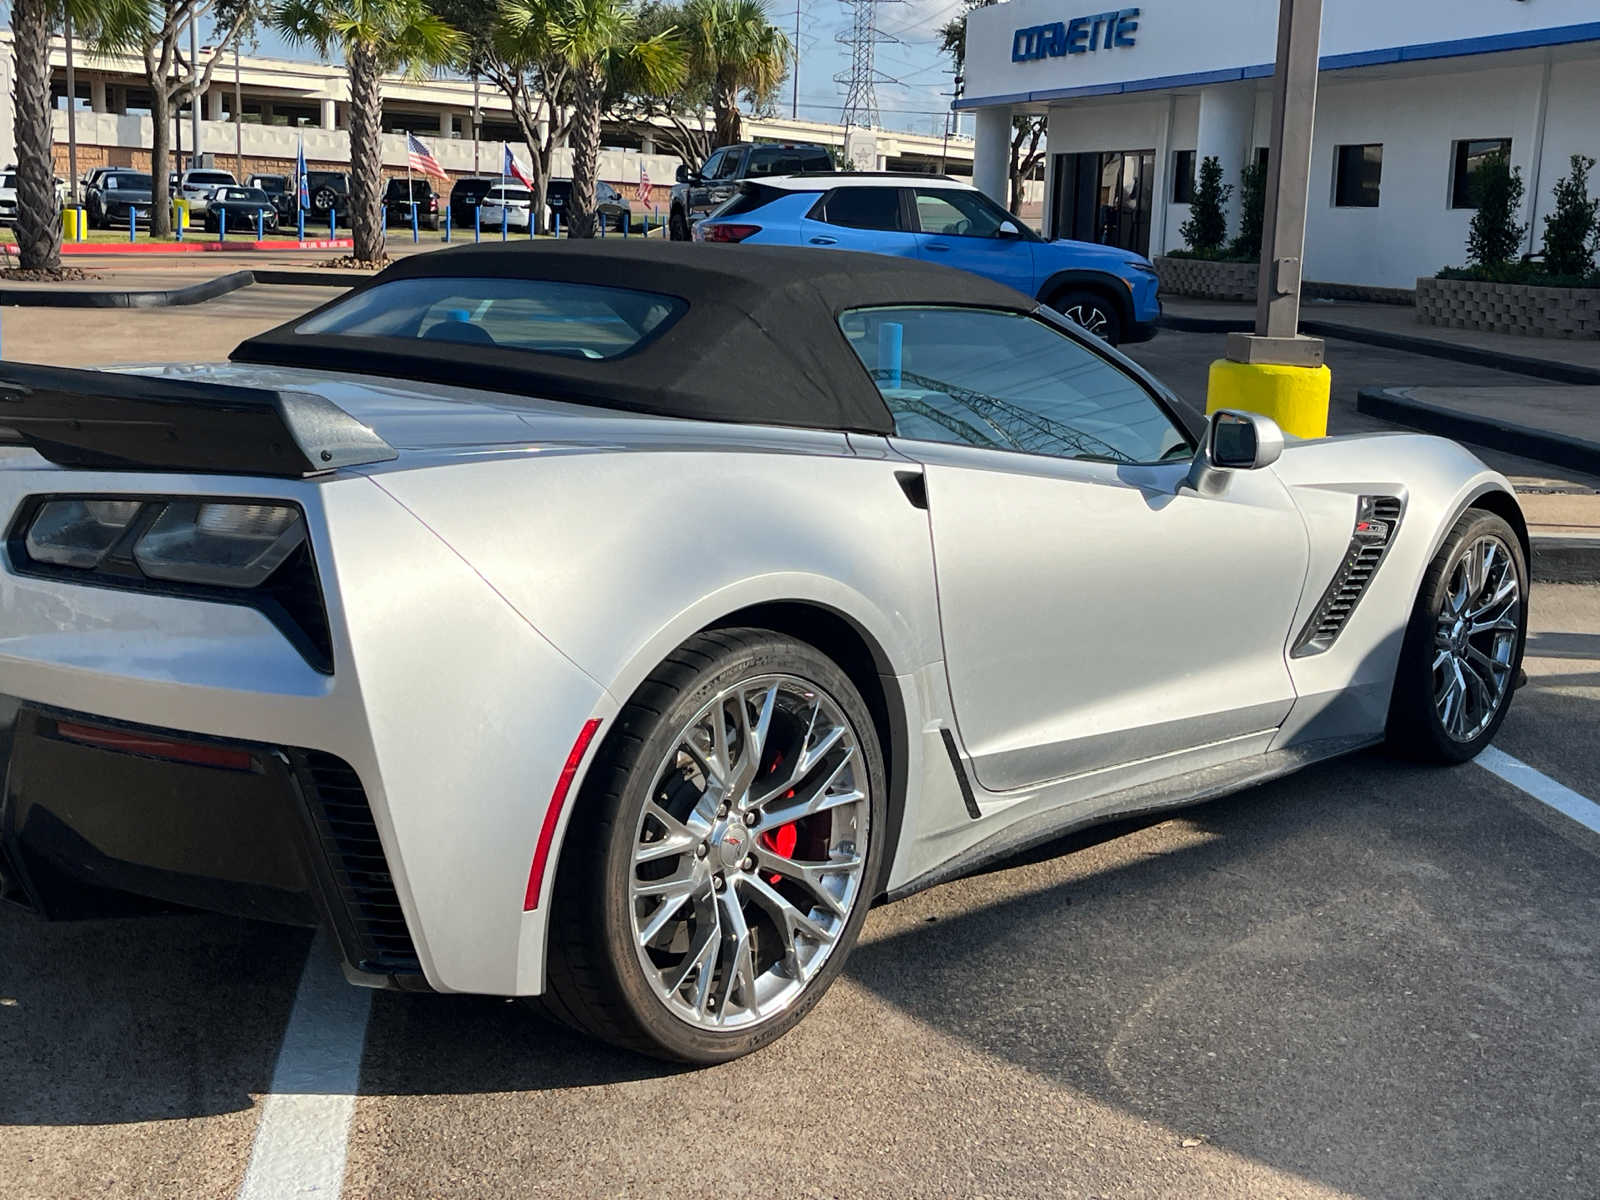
(102, 818)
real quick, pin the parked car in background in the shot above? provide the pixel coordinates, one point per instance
(697, 192)
(241, 206)
(402, 193)
(279, 189)
(1113, 293)
(507, 205)
(96, 185)
(465, 196)
(8, 197)
(196, 186)
(117, 194)
(609, 203)
(328, 191)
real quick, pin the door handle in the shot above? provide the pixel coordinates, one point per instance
(945, 246)
(824, 241)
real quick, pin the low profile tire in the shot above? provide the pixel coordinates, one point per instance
(1092, 311)
(723, 853)
(678, 226)
(1463, 648)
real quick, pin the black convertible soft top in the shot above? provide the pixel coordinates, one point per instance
(759, 342)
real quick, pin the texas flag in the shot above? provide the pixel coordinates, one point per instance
(512, 169)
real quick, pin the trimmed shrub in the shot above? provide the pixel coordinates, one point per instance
(1573, 229)
(1207, 226)
(1252, 212)
(1495, 236)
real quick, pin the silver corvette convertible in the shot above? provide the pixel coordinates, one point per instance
(616, 622)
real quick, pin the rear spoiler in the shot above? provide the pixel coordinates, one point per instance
(116, 421)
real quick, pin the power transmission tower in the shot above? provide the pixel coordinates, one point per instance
(863, 37)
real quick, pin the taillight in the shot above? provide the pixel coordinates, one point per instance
(716, 231)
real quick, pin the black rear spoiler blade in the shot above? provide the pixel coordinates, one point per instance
(115, 421)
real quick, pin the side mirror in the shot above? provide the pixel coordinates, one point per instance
(1234, 441)
(684, 173)
(1008, 229)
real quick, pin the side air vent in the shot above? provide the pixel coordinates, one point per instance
(1377, 519)
(372, 919)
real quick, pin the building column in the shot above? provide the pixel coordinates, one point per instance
(991, 153)
(214, 105)
(118, 97)
(1226, 127)
(647, 144)
(97, 95)
(330, 113)
(447, 123)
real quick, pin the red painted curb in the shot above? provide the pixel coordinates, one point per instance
(192, 247)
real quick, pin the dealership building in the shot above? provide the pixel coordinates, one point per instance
(1412, 96)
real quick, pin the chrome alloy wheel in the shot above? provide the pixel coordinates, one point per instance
(1475, 638)
(1091, 317)
(750, 853)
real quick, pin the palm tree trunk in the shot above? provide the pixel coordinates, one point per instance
(38, 221)
(366, 154)
(585, 138)
(725, 104)
(160, 161)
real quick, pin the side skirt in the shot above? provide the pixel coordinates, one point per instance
(1179, 791)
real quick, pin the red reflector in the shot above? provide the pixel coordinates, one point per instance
(558, 800)
(718, 232)
(202, 754)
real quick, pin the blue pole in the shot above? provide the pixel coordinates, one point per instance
(625, 224)
(602, 224)
(555, 219)
(83, 222)
(891, 335)
(222, 224)
(477, 224)
(416, 235)
(261, 226)
(177, 225)
(300, 222)
(133, 224)
(447, 224)
(505, 218)
(333, 223)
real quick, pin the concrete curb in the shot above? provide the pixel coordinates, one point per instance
(329, 277)
(47, 297)
(1565, 560)
(1575, 454)
(1519, 364)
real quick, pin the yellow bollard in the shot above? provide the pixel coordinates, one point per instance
(180, 214)
(1295, 397)
(71, 224)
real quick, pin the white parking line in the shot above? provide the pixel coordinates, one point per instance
(1541, 787)
(304, 1129)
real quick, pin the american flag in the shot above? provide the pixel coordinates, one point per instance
(644, 186)
(418, 158)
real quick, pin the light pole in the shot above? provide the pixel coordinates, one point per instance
(72, 120)
(194, 91)
(238, 116)
(1275, 370)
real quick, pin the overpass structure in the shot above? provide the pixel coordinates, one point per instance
(281, 102)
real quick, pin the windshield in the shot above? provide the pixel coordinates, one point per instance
(8, 181)
(574, 320)
(137, 183)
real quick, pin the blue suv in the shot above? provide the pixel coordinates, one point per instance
(1109, 291)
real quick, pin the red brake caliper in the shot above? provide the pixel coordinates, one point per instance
(781, 841)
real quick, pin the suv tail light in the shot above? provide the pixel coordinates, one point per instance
(719, 232)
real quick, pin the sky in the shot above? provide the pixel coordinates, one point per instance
(921, 73)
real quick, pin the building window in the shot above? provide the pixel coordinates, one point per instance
(1263, 156)
(1357, 173)
(1469, 159)
(1183, 176)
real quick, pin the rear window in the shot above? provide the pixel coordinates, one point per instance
(210, 177)
(787, 160)
(8, 181)
(138, 183)
(750, 197)
(470, 189)
(573, 320)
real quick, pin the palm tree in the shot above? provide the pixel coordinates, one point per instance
(376, 37)
(109, 24)
(734, 46)
(598, 41)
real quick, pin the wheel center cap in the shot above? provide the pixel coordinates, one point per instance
(731, 843)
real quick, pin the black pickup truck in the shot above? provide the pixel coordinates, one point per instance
(697, 192)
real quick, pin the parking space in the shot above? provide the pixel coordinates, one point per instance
(1369, 979)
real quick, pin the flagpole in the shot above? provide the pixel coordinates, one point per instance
(505, 201)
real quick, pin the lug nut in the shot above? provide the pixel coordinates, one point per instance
(750, 817)
(723, 811)
(701, 850)
(718, 882)
(749, 863)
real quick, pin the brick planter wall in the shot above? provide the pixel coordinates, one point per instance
(1207, 280)
(1509, 308)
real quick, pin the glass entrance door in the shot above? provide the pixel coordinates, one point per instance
(1104, 196)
